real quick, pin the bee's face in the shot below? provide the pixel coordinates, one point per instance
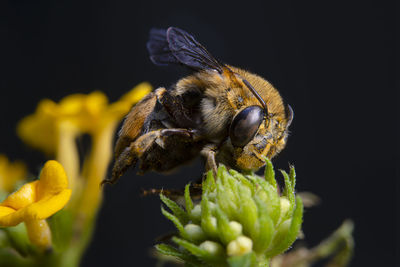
(263, 138)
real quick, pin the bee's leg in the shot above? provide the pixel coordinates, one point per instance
(130, 155)
(174, 107)
(125, 160)
(143, 144)
(188, 134)
(209, 153)
(174, 194)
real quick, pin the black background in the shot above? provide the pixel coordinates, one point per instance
(333, 62)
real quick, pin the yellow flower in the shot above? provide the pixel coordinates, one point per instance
(85, 113)
(54, 127)
(10, 173)
(36, 201)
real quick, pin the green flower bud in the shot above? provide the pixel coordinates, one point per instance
(236, 228)
(212, 207)
(213, 221)
(282, 230)
(212, 196)
(239, 246)
(194, 232)
(285, 206)
(244, 215)
(212, 247)
(195, 215)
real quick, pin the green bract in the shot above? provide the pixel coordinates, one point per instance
(241, 220)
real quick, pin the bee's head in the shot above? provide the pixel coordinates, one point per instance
(255, 135)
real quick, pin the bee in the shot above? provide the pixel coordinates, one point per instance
(224, 113)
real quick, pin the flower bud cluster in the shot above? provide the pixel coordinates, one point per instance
(241, 220)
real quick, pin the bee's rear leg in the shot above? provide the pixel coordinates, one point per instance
(124, 161)
(130, 155)
(139, 149)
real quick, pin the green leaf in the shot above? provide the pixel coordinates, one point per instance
(279, 244)
(61, 225)
(223, 175)
(174, 252)
(4, 242)
(225, 233)
(289, 190)
(10, 258)
(176, 221)
(207, 223)
(197, 251)
(227, 200)
(221, 170)
(292, 175)
(233, 187)
(19, 239)
(272, 197)
(169, 250)
(188, 199)
(248, 213)
(269, 173)
(246, 260)
(176, 209)
(209, 183)
(266, 228)
(242, 180)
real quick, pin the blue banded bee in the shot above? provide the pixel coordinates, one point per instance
(221, 112)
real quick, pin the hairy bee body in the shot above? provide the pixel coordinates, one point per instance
(224, 113)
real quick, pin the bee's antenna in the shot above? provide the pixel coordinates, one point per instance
(255, 93)
(289, 115)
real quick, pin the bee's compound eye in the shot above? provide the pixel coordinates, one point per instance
(245, 125)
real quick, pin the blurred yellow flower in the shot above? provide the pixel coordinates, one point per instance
(11, 173)
(53, 128)
(84, 113)
(36, 201)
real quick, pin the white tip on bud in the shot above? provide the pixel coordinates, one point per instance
(212, 247)
(285, 206)
(196, 213)
(236, 227)
(212, 196)
(212, 206)
(214, 222)
(194, 232)
(239, 246)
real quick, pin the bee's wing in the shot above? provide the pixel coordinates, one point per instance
(178, 47)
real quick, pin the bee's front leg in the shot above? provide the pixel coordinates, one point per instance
(209, 153)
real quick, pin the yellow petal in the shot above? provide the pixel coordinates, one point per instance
(137, 93)
(10, 173)
(42, 209)
(39, 233)
(53, 179)
(77, 104)
(23, 197)
(47, 206)
(5, 211)
(95, 103)
(120, 108)
(11, 218)
(39, 129)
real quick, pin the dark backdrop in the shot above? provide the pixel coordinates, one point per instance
(333, 62)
